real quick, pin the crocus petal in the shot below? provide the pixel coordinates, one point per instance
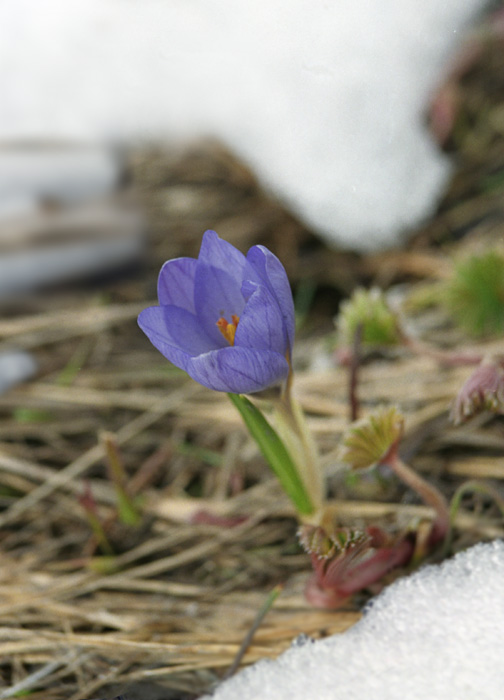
(222, 255)
(216, 294)
(220, 272)
(261, 324)
(175, 332)
(238, 370)
(273, 275)
(176, 283)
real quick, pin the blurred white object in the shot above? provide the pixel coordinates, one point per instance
(323, 99)
(60, 218)
(32, 270)
(51, 173)
(15, 367)
(435, 635)
(67, 245)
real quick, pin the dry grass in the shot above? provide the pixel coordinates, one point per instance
(178, 597)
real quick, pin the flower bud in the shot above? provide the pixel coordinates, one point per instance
(483, 391)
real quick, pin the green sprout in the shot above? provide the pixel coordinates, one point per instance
(368, 309)
(475, 294)
(374, 441)
(127, 506)
(90, 508)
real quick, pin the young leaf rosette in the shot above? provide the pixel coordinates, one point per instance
(345, 560)
(369, 441)
(225, 318)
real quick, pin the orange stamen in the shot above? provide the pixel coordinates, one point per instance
(227, 329)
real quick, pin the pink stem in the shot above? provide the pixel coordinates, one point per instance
(428, 493)
(354, 372)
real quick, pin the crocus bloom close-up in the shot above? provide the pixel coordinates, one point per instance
(226, 319)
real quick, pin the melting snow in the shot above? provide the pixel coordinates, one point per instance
(436, 635)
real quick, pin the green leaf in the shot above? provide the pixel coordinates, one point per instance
(275, 453)
(127, 511)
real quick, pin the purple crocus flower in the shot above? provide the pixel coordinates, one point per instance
(226, 319)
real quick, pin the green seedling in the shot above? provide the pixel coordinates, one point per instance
(475, 294)
(127, 507)
(369, 310)
(374, 441)
(89, 506)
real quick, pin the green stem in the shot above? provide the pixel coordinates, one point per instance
(294, 432)
(276, 454)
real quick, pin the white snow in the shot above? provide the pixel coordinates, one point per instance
(436, 635)
(324, 99)
(15, 366)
